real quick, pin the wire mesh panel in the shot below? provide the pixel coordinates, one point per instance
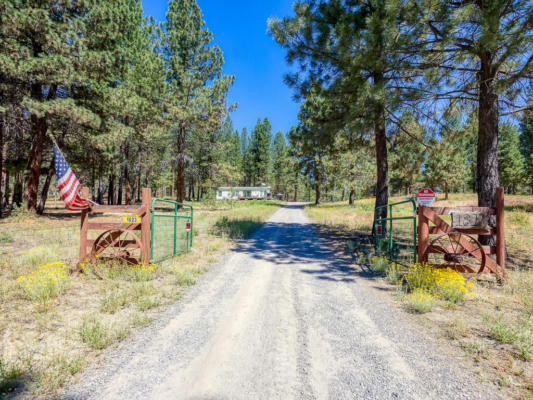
(172, 225)
(395, 235)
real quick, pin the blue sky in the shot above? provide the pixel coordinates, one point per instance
(240, 29)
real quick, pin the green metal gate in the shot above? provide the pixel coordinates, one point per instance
(395, 235)
(172, 229)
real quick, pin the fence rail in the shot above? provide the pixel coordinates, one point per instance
(395, 236)
(172, 229)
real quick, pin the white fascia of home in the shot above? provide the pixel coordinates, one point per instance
(243, 193)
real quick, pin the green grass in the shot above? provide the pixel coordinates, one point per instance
(113, 300)
(10, 376)
(236, 228)
(148, 303)
(94, 333)
(184, 278)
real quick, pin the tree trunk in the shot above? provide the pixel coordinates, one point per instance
(446, 191)
(172, 191)
(351, 199)
(127, 174)
(5, 200)
(39, 127)
(46, 187)
(111, 190)
(296, 187)
(101, 189)
(120, 185)
(3, 128)
(180, 180)
(382, 183)
(17, 188)
(487, 148)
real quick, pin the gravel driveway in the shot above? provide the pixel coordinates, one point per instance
(280, 318)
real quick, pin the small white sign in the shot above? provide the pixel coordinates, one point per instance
(425, 197)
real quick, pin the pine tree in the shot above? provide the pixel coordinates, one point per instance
(260, 151)
(510, 160)
(526, 147)
(196, 84)
(281, 165)
(483, 52)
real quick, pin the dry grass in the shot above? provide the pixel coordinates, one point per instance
(42, 349)
(492, 332)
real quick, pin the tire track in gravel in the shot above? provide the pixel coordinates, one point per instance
(281, 318)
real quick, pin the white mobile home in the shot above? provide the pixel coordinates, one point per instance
(244, 193)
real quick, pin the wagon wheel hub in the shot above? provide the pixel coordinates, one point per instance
(457, 251)
(453, 258)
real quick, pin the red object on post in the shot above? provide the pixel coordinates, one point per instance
(425, 197)
(378, 229)
(188, 226)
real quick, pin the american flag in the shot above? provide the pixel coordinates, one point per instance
(68, 184)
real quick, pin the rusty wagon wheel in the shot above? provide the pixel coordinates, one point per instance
(458, 251)
(116, 246)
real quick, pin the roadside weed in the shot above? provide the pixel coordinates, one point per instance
(421, 301)
(113, 300)
(148, 303)
(379, 264)
(59, 370)
(501, 330)
(142, 272)
(45, 283)
(94, 333)
(6, 237)
(184, 277)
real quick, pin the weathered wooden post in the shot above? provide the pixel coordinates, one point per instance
(146, 224)
(423, 235)
(500, 230)
(84, 226)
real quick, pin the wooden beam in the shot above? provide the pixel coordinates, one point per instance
(423, 235)
(449, 210)
(500, 230)
(146, 225)
(117, 209)
(105, 226)
(434, 230)
(84, 227)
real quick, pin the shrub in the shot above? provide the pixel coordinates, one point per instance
(6, 237)
(502, 331)
(421, 301)
(147, 303)
(93, 333)
(45, 283)
(379, 264)
(20, 213)
(394, 274)
(184, 277)
(446, 284)
(142, 272)
(113, 300)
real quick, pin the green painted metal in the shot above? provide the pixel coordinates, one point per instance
(397, 241)
(169, 236)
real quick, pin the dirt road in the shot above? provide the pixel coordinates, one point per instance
(281, 318)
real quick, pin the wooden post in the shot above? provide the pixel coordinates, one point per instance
(423, 235)
(500, 230)
(146, 225)
(83, 227)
